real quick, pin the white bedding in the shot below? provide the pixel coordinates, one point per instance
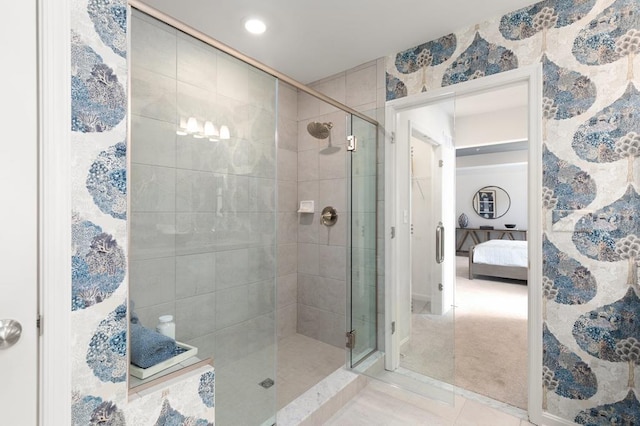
(501, 252)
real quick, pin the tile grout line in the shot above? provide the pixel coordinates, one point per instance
(464, 402)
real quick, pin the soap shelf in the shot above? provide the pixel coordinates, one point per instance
(307, 206)
(183, 353)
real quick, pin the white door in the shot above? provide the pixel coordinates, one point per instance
(19, 212)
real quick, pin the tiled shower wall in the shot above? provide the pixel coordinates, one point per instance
(202, 225)
(322, 177)
(287, 285)
(588, 51)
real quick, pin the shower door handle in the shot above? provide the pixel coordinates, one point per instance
(439, 243)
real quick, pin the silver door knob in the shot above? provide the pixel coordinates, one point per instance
(10, 331)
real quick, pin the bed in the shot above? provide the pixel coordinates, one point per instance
(499, 258)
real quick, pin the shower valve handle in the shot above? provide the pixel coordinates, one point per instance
(329, 216)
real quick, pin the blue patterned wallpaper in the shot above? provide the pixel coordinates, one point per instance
(591, 141)
(99, 237)
(481, 58)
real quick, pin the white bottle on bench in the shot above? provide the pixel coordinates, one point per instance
(166, 326)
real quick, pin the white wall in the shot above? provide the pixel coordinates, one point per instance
(510, 177)
(506, 125)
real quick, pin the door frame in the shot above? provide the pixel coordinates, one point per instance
(54, 215)
(532, 75)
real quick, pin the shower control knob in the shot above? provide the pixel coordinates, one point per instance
(10, 331)
(329, 216)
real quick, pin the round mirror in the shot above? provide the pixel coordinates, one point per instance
(491, 202)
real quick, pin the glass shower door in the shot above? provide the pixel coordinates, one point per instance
(361, 337)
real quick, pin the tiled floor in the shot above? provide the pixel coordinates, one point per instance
(383, 404)
(240, 400)
(302, 363)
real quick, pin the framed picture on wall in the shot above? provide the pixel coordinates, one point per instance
(486, 203)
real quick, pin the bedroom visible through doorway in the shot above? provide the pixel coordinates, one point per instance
(490, 315)
(492, 192)
(432, 357)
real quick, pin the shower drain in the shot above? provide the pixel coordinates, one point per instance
(267, 383)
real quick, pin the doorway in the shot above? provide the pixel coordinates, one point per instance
(492, 211)
(399, 249)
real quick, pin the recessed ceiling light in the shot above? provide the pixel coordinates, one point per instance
(255, 26)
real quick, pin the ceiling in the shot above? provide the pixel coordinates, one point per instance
(310, 40)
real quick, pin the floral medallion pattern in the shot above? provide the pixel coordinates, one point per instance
(601, 234)
(612, 332)
(93, 411)
(591, 141)
(612, 35)
(564, 372)
(612, 134)
(171, 417)
(207, 388)
(98, 99)
(109, 18)
(426, 55)
(480, 59)
(567, 186)
(543, 16)
(107, 181)
(99, 278)
(625, 412)
(566, 280)
(567, 92)
(98, 264)
(395, 88)
(107, 352)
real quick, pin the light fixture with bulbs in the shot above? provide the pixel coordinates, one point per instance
(210, 131)
(191, 126)
(224, 132)
(182, 128)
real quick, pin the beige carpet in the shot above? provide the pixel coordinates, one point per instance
(490, 339)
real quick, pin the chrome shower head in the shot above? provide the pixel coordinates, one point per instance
(319, 130)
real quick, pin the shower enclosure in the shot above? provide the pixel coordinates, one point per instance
(222, 154)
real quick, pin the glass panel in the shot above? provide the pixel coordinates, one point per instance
(312, 267)
(362, 273)
(429, 347)
(419, 353)
(425, 344)
(203, 211)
